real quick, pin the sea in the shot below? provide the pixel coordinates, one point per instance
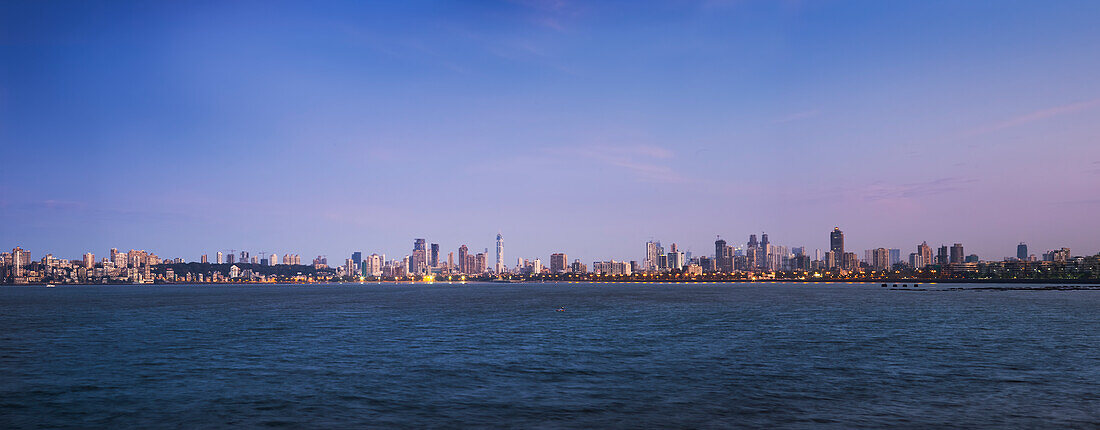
(545, 355)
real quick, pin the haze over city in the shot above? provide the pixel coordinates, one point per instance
(568, 126)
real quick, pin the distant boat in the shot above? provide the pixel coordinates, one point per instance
(561, 309)
(50, 285)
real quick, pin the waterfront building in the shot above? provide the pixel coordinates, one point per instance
(851, 261)
(925, 253)
(17, 262)
(957, 255)
(433, 256)
(675, 260)
(941, 255)
(482, 262)
(836, 241)
(895, 256)
(916, 260)
(578, 267)
(880, 259)
(418, 261)
(463, 262)
(89, 260)
(499, 266)
(357, 257)
(558, 263)
(1057, 255)
(651, 253)
(1021, 251)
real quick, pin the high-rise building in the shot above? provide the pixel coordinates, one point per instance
(1021, 251)
(219, 257)
(925, 252)
(836, 241)
(89, 260)
(482, 263)
(372, 266)
(558, 263)
(957, 255)
(17, 262)
(273, 259)
(231, 258)
(916, 260)
(433, 255)
(203, 259)
(651, 253)
(578, 267)
(880, 258)
(941, 255)
(463, 261)
(357, 258)
(723, 256)
(499, 266)
(675, 260)
(418, 261)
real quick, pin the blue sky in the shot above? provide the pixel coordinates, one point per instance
(581, 127)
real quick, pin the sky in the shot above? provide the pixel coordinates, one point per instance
(323, 128)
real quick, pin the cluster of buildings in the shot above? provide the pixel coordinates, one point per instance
(754, 257)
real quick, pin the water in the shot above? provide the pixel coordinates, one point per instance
(700, 356)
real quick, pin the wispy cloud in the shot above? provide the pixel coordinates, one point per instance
(882, 191)
(1032, 117)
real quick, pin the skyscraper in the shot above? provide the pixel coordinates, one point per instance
(925, 252)
(558, 263)
(880, 258)
(463, 263)
(418, 261)
(357, 258)
(433, 256)
(499, 266)
(17, 262)
(1021, 251)
(203, 259)
(89, 260)
(219, 258)
(651, 253)
(836, 241)
(957, 255)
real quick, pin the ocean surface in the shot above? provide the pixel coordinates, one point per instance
(500, 355)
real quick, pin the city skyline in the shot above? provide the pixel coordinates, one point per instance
(422, 257)
(571, 127)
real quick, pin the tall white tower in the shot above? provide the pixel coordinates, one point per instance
(500, 254)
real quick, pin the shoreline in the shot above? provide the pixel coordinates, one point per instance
(880, 282)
